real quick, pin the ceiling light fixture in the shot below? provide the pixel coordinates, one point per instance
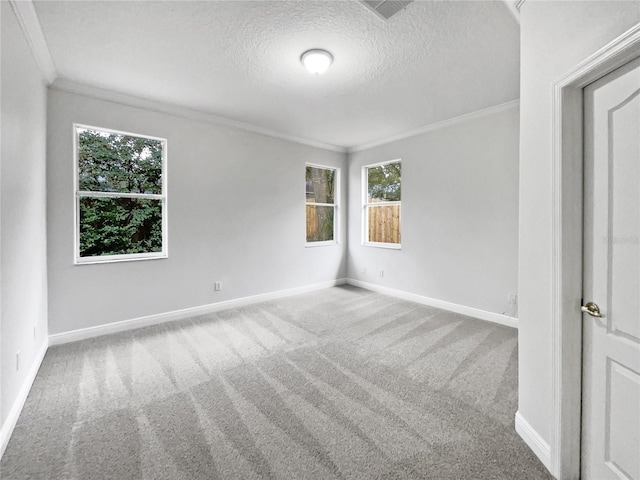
(317, 61)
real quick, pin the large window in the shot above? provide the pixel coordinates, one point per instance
(120, 196)
(321, 205)
(382, 204)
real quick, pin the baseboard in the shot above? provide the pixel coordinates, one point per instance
(18, 404)
(432, 302)
(533, 439)
(124, 325)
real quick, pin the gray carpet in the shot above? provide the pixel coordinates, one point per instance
(339, 383)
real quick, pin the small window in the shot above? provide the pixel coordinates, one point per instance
(382, 204)
(321, 205)
(120, 196)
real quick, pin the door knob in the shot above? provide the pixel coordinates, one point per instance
(592, 309)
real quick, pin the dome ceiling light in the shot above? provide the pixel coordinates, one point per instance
(317, 61)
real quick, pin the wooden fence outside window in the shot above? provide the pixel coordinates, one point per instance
(384, 224)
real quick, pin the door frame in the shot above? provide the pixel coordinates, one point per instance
(566, 281)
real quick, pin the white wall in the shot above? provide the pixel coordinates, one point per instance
(236, 215)
(459, 214)
(23, 216)
(555, 37)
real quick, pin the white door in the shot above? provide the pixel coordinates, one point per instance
(611, 344)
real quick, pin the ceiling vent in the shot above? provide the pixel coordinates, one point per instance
(385, 9)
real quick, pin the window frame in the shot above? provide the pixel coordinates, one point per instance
(366, 205)
(335, 205)
(78, 194)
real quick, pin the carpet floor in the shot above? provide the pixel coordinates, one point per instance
(341, 383)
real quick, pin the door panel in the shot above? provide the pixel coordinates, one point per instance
(622, 386)
(624, 218)
(611, 345)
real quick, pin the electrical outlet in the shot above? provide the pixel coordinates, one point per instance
(381, 273)
(364, 269)
(218, 286)
(513, 298)
(18, 360)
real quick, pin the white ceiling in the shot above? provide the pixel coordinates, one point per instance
(433, 61)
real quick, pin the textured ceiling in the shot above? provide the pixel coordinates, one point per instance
(240, 59)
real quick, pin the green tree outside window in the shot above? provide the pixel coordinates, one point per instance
(120, 193)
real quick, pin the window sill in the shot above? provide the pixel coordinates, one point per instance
(119, 258)
(321, 244)
(390, 246)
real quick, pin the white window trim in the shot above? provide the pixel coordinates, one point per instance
(335, 205)
(366, 205)
(78, 260)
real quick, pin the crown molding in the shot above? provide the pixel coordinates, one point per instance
(514, 7)
(437, 126)
(69, 86)
(28, 19)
